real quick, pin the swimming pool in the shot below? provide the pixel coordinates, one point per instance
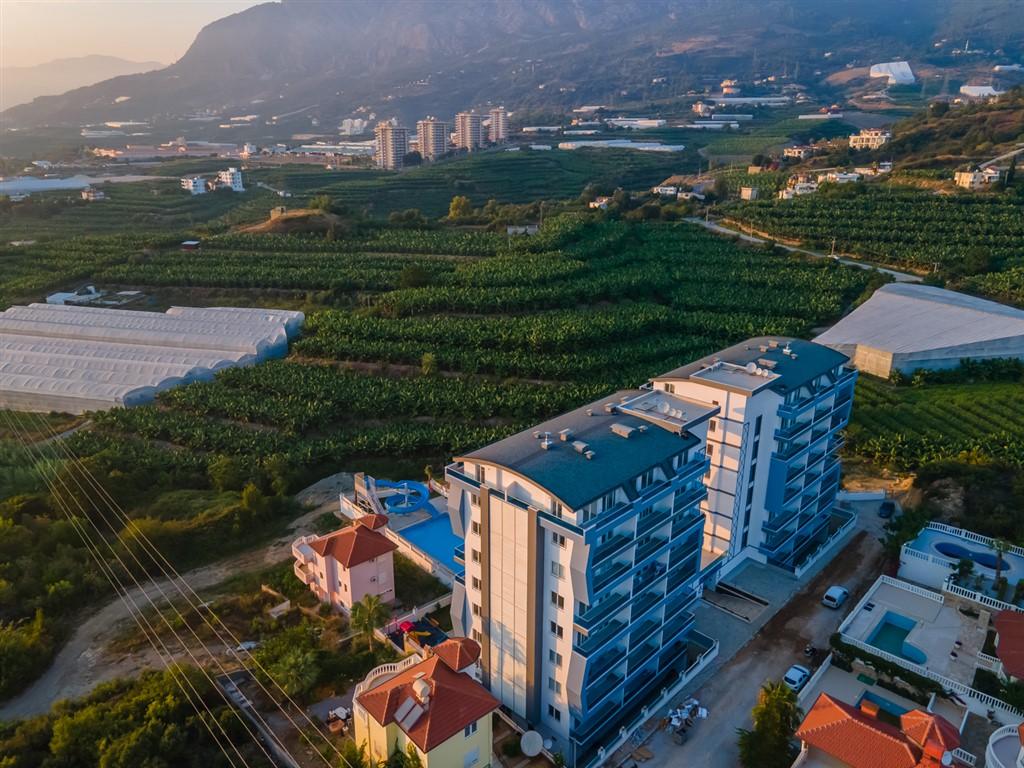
(883, 703)
(434, 536)
(890, 635)
(955, 551)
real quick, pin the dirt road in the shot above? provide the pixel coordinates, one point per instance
(83, 662)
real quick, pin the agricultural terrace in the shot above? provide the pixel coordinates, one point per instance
(907, 427)
(964, 234)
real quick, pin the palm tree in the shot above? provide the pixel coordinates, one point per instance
(776, 717)
(368, 614)
(1000, 547)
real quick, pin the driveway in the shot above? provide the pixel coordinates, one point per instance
(82, 663)
(729, 690)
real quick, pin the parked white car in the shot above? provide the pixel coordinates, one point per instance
(835, 597)
(796, 677)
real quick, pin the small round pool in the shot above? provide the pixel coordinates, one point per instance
(957, 552)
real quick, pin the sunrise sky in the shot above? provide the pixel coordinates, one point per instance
(37, 31)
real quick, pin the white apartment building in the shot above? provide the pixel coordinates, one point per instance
(231, 178)
(432, 135)
(195, 185)
(392, 146)
(773, 445)
(975, 180)
(583, 562)
(870, 138)
(497, 132)
(469, 132)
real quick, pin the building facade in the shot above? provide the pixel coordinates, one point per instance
(869, 138)
(433, 138)
(392, 146)
(341, 568)
(497, 131)
(230, 178)
(195, 185)
(469, 133)
(773, 445)
(583, 557)
(432, 707)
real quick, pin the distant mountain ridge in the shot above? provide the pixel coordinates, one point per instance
(411, 57)
(19, 85)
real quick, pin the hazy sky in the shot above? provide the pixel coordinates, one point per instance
(35, 31)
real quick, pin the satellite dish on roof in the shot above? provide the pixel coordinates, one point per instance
(751, 367)
(664, 407)
(947, 758)
(531, 743)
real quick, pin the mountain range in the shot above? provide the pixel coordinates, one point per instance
(413, 57)
(19, 85)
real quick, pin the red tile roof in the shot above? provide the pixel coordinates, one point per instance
(353, 545)
(458, 652)
(860, 740)
(373, 522)
(1010, 648)
(456, 700)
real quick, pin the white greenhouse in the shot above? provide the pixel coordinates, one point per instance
(76, 359)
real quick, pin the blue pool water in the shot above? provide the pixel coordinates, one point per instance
(434, 536)
(985, 559)
(891, 636)
(883, 704)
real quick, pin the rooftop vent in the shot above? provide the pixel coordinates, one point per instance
(622, 430)
(589, 455)
(773, 344)
(546, 443)
(565, 434)
(787, 350)
(609, 407)
(765, 363)
(763, 348)
(580, 447)
(590, 411)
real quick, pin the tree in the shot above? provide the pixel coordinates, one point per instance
(413, 276)
(776, 717)
(460, 207)
(1000, 547)
(296, 671)
(964, 569)
(225, 473)
(1011, 172)
(411, 159)
(368, 614)
(320, 203)
(253, 500)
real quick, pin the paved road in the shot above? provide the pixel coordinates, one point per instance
(730, 691)
(899, 277)
(82, 663)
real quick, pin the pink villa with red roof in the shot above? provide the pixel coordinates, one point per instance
(343, 567)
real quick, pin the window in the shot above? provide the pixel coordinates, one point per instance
(608, 502)
(554, 685)
(554, 712)
(712, 426)
(476, 609)
(478, 473)
(646, 479)
(557, 600)
(469, 730)
(750, 495)
(556, 630)
(555, 658)
(476, 583)
(475, 527)
(559, 539)
(475, 554)
(478, 636)
(474, 499)
(711, 449)
(670, 388)
(557, 570)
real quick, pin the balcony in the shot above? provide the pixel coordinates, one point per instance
(601, 637)
(648, 548)
(681, 524)
(596, 694)
(609, 577)
(609, 660)
(680, 576)
(689, 498)
(302, 574)
(609, 548)
(645, 602)
(601, 610)
(680, 622)
(641, 656)
(640, 633)
(595, 721)
(460, 554)
(672, 654)
(461, 476)
(651, 520)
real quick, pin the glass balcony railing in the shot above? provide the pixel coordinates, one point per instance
(610, 575)
(652, 520)
(608, 660)
(600, 637)
(596, 694)
(645, 602)
(648, 548)
(608, 548)
(640, 656)
(596, 613)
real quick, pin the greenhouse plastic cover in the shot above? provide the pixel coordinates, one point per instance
(75, 359)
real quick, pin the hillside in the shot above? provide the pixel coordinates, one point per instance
(401, 57)
(19, 85)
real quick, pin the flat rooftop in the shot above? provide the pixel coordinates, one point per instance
(583, 454)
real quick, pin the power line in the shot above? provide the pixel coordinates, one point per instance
(172, 575)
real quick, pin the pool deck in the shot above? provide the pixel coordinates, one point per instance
(938, 626)
(925, 541)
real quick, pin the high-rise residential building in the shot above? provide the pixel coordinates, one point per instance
(433, 138)
(583, 563)
(773, 447)
(497, 132)
(469, 130)
(392, 145)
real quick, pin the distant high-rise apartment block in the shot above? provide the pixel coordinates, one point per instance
(392, 145)
(498, 131)
(433, 137)
(469, 132)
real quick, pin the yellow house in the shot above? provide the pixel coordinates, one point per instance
(434, 705)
